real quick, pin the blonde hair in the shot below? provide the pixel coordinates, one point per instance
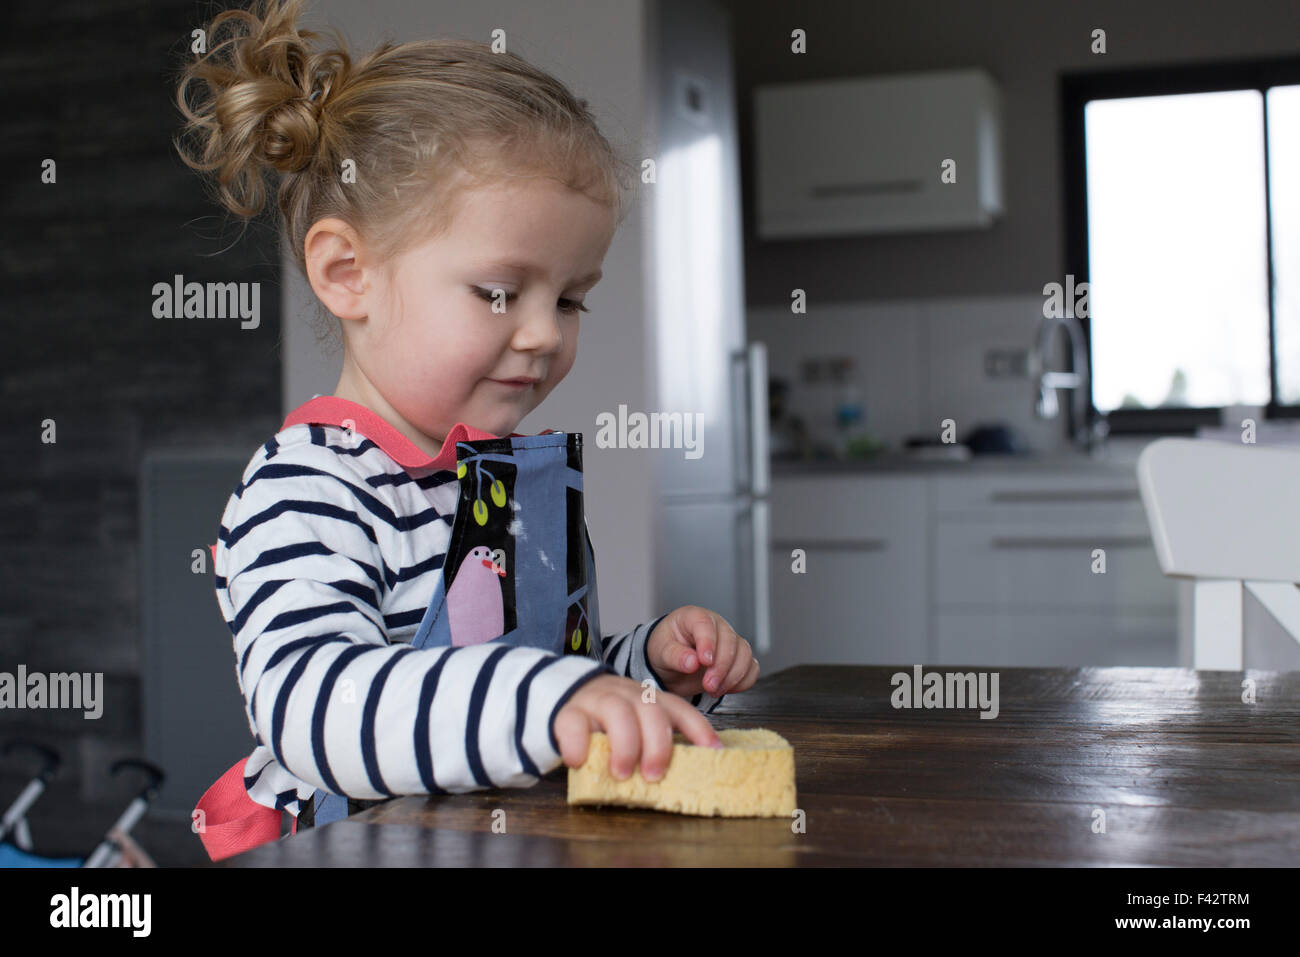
(421, 120)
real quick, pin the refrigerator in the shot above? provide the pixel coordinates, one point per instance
(713, 530)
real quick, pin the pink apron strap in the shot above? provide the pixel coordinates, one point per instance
(234, 822)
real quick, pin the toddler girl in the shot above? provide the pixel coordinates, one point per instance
(409, 583)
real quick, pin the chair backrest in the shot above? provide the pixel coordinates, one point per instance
(1223, 510)
(1228, 516)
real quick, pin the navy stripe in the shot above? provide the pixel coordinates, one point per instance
(323, 509)
(424, 517)
(318, 713)
(298, 616)
(357, 590)
(423, 715)
(339, 447)
(282, 696)
(550, 722)
(264, 591)
(475, 716)
(289, 552)
(433, 563)
(645, 648)
(613, 650)
(372, 504)
(435, 479)
(369, 754)
(361, 448)
(249, 782)
(521, 714)
(285, 553)
(284, 651)
(404, 619)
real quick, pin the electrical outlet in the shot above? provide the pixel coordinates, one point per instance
(1006, 364)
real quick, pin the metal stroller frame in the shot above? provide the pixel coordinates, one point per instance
(16, 834)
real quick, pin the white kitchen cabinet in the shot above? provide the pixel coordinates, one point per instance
(1014, 637)
(862, 598)
(863, 155)
(994, 567)
(1014, 578)
(1042, 497)
(1033, 565)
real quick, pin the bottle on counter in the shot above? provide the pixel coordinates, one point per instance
(849, 409)
(853, 439)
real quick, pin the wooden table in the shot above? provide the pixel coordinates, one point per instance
(1185, 773)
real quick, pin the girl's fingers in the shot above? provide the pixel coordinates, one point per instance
(704, 634)
(617, 714)
(724, 656)
(573, 727)
(639, 732)
(690, 721)
(739, 668)
(751, 676)
(656, 741)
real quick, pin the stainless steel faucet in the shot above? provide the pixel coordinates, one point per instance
(1046, 407)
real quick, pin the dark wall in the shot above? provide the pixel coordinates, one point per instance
(1024, 45)
(89, 85)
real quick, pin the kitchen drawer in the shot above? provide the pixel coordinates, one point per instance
(1055, 639)
(855, 510)
(851, 606)
(1001, 564)
(1050, 496)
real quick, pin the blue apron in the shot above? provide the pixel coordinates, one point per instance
(519, 566)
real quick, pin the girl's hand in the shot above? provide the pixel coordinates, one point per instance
(640, 731)
(691, 637)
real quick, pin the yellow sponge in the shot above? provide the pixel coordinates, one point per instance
(752, 775)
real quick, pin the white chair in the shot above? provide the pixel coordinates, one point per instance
(1226, 515)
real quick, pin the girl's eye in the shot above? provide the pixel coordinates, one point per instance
(489, 295)
(571, 306)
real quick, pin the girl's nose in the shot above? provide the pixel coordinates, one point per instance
(539, 332)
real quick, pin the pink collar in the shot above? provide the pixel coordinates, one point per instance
(332, 410)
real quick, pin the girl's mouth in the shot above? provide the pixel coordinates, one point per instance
(516, 383)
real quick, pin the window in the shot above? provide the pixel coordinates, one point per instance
(1183, 215)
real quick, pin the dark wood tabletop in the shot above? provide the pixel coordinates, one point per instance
(1175, 766)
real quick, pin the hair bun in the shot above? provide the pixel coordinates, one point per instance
(267, 88)
(290, 134)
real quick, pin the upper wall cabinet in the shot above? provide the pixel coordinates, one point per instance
(862, 156)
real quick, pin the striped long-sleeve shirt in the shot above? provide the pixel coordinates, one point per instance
(327, 554)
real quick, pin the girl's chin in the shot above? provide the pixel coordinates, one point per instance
(499, 426)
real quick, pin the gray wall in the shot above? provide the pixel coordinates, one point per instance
(90, 89)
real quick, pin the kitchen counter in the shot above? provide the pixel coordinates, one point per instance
(1107, 463)
(1184, 773)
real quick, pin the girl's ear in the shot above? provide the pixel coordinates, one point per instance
(335, 268)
